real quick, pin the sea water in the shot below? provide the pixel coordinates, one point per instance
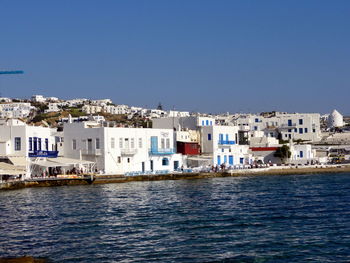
(289, 218)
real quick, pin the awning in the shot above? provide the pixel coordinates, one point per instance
(69, 161)
(48, 164)
(9, 169)
(18, 161)
(11, 172)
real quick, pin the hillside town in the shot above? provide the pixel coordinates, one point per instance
(44, 137)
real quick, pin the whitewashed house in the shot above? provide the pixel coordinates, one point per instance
(122, 150)
(38, 98)
(19, 141)
(52, 107)
(181, 123)
(302, 153)
(15, 110)
(295, 126)
(91, 109)
(222, 143)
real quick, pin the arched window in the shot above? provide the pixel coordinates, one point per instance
(165, 161)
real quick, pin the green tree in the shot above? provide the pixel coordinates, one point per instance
(283, 153)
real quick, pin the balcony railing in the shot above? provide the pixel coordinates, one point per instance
(161, 151)
(128, 151)
(226, 142)
(48, 154)
(288, 126)
(96, 152)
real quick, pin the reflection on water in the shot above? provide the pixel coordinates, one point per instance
(243, 219)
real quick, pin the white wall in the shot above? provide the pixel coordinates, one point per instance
(121, 149)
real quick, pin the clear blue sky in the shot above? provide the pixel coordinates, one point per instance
(211, 56)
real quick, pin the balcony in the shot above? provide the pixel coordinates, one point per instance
(161, 151)
(226, 142)
(286, 126)
(128, 151)
(47, 154)
(96, 152)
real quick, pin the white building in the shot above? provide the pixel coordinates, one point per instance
(295, 126)
(15, 110)
(102, 102)
(91, 109)
(122, 150)
(38, 98)
(172, 113)
(302, 153)
(52, 107)
(19, 139)
(222, 143)
(183, 123)
(4, 99)
(74, 102)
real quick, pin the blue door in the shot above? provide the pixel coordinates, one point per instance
(225, 158)
(219, 159)
(154, 143)
(35, 145)
(241, 160)
(230, 160)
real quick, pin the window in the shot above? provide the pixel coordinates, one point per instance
(128, 160)
(97, 143)
(289, 122)
(290, 136)
(89, 144)
(301, 154)
(140, 142)
(207, 122)
(162, 143)
(211, 122)
(295, 130)
(305, 130)
(255, 128)
(74, 144)
(112, 143)
(30, 144)
(165, 161)
(301, 130)
(120, 143)
(46, 144)
(286, 135)
(256, 120)
(132, 142)
(289, 130)
(300, 121)
(119, 159)
(17, 143)
(126, 145)
(39, 144)
(209, 136)
(168, 143)
(313, 130)
(202, 123)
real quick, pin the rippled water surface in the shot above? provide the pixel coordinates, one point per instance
(238, 219)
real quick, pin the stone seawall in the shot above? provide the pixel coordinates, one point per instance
(105, 179)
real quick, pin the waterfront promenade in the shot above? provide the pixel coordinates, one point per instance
(105, 179)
